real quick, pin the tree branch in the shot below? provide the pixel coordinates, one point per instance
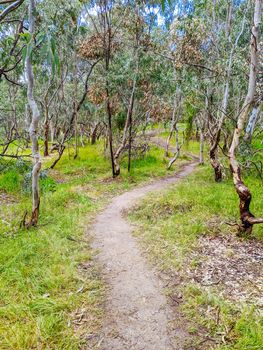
(10, 8)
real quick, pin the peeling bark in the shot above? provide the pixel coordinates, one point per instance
(33, 130)
(252, 123)
(246, 217)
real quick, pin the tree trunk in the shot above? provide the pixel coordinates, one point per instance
(246, 217)
(130, 144)
(225, 147)
(52, 132)
(178, 148)
(214, 159)
(34, 123)
(60, 154)
(252, 123)
(107, 36)
(82, 133)
(201, 155)
(124, 137)
(94, 134)
(173, 123)
(110, 139)
(216, 138)
(46, 132)
(75, 106)
(128, 123)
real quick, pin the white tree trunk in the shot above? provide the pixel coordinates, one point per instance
(175, 114)
(52, 132)
(34, 123)
(216, 137)
(177, 149)
(252, 123)
(247, 218)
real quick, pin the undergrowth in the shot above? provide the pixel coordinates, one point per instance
(170, 225)
(47, 275)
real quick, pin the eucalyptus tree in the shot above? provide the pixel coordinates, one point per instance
(247, 218)
(252, 122)
(120, 37)
(65, 72)
(33, 130)
(227, 40)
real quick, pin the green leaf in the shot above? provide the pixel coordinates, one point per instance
(26, 37)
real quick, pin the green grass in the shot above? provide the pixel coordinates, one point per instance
(235, 328)
(41, 284)
(39, 278)
(191, 146)
(10, 181)
(170, 224)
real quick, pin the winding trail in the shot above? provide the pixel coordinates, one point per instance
(138, 315)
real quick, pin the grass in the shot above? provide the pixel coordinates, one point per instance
(191, 146)
(39, 276)
(47, 275)
(48, 279)
(170, 225)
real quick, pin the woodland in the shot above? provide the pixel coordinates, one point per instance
(131, 173)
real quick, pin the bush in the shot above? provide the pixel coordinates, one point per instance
(46, 183)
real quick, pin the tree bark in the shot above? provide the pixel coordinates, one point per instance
(173, 124)
(107, 36)
(214, 158)
(46, 131)
(252, 123)
(75, 106)
(246, 217)
(94, 134)
(216, 139)
(33, 130)
(52, 132)
(201, 154)
(127, 133)
(130, 144)
(178, 148)
(126, 129)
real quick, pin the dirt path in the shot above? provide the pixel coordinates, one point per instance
(138, 316)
